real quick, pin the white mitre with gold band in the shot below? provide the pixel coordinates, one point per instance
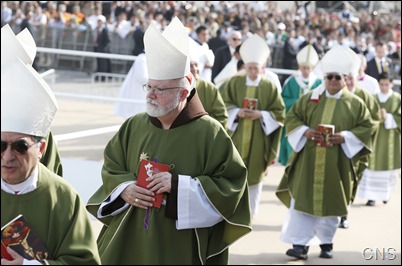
(307, 56)
(255, 50)
(21, 45)
(27, 103)
(167, 52)
(336, 60)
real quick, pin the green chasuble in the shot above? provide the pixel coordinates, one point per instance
(323, 180)
(387, 149)
(51, 157)
(56, 213)
(200, 148)
(212, 101)
(374, 109)
(291, 92)
(257, 149)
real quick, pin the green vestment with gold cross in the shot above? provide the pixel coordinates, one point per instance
(323, 181)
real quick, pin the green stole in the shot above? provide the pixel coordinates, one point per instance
(320, 160)
(247, 127)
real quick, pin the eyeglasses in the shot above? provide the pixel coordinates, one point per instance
(331, 76)
(236, 39)
(158, 91)
(20, 146)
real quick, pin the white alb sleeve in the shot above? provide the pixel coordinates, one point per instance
(296, 138)
(268, 123)
(194, 210)
(352, 144)
(112, 197)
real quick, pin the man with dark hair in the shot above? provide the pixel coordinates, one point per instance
(385, 165)
(225, 53)
(320, 180)
(23, 46)
(380, 63)
(216, 42)
(52, 207)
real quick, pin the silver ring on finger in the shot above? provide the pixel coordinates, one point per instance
(136, 200)
(312, 138)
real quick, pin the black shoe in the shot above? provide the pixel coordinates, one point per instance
(298, 252)
(370, 203)
(325, 254)
(385, 201)
(343, 223)
(326, 251)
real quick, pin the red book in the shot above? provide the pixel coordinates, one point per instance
(147, 169)
(4, 253)
(326, 131)
(20, 236)
(250, 103)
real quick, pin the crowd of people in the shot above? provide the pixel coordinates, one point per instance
(285, 30)
(217, 142)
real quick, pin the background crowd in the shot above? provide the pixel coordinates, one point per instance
(286, 29)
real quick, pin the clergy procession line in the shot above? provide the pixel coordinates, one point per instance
(336, 139)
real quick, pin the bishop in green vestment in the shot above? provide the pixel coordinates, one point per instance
(255, 132)
(206, 202)
(51, 206)
(210, 97)
(300, 83)
(23, 46)
(373, 107)
(56, 213)
(51, 157)
(351, 81)
(319, 182)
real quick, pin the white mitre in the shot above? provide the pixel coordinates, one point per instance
(167, 53)
(27, 103)
(21, 45)
(255, 50)
(336, 60)
(355, 61)
(307, 56)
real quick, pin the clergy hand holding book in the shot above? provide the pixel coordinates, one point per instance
(326, 132)
(249, 109)
(325, 135)
(153, 179)
(146, 178)
(19, 240)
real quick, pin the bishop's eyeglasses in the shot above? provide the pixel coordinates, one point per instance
(159, 91)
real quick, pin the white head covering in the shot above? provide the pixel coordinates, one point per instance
(27, 103)
(336, 60)
(227, 72)
(195, 51)
(21, 45)
(255, 50)
(167, 53)
(355, 61)
(307, 56)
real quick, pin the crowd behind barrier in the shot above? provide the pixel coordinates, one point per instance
(72, 26)
(79, 40)
(83, 40)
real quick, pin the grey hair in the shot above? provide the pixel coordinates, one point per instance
(37, 139)
(185, 83)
